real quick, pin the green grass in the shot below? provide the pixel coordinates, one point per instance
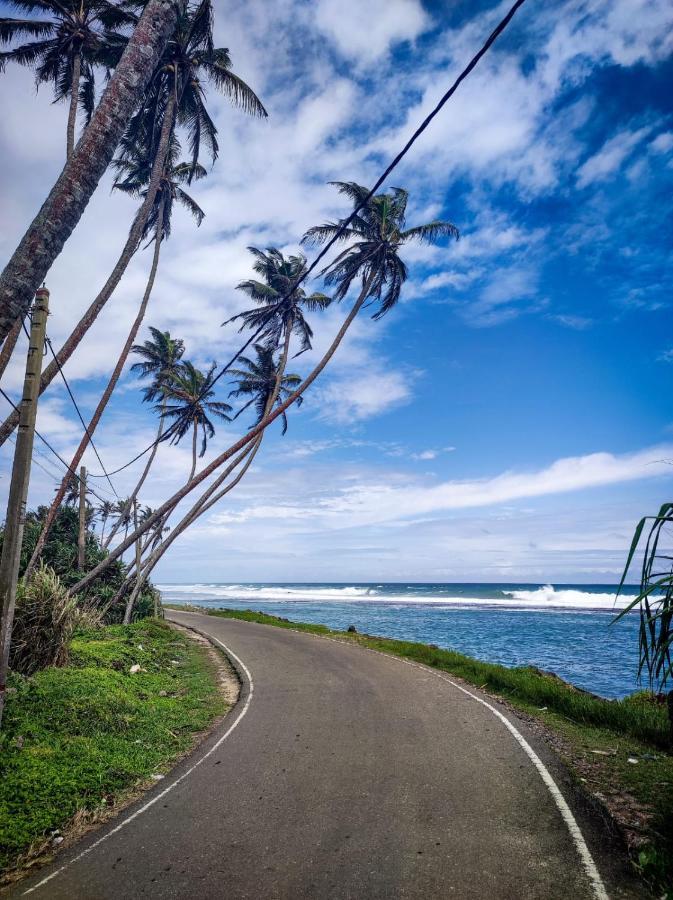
(634, 728)
(75, 738)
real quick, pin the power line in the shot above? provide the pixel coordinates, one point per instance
(46, 442)
(84, 425)
(497, 31)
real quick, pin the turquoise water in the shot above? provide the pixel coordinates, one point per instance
(562, 628)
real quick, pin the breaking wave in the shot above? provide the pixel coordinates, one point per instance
(510, 596)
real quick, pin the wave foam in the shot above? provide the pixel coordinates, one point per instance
(568, 598)
(546, 597)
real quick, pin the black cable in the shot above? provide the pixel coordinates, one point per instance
(46, 442)
(84, 425)
(497, 31)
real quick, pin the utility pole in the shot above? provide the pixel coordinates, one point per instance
(81, 535)
(18, 489)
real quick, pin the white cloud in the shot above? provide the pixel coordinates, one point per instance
(365, 31)
(663, 142)
(361, 503)
(577, 323)
(610, 157)
(507, 294)
(352, 399)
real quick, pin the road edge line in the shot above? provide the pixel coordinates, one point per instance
(246, 705)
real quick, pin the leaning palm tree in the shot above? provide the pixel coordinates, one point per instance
(280, 302)
(175, 97)
(176, 91)
(258, 380)
(159, 217)
(159, 360)
(77, 37)
(375, 235)
(70, 195)
(189, 403)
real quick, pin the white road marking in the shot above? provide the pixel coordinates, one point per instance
(173, 784)
(586, 858)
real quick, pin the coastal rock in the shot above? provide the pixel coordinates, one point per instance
(352, 629)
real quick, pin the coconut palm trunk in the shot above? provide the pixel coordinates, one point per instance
(235, 448)
(74, 100)
(8, 347)
(130, 247)
(63, 208)
(141, 481)
(195, 434)
(102, 403)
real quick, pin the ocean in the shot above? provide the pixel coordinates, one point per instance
(563, 628)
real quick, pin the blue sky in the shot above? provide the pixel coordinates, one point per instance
(508, 420)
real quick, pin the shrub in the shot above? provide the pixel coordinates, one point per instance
(44, 621)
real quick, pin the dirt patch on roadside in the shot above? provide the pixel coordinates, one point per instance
(227, 678)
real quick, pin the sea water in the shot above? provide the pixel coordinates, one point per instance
(567, 629)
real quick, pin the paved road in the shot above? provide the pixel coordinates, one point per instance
(348, 774)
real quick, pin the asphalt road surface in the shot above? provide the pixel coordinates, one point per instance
(343, 773)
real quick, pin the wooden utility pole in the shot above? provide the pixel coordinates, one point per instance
(18, 489)
(81, 534)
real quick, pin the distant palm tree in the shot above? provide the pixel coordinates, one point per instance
(71, 492)
(134, 171)
(258, 378)
(280, 305)
(374, 237)
(123, 515)
(105, 510)
(160, 360)
(188, 402)
(77, 38)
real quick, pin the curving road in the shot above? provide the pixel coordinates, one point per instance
(343, 773)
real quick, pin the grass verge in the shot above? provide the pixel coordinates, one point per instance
(76, 739)
(617, 751)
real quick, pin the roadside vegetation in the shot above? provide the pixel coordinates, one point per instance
(618, 751)
(77, 739)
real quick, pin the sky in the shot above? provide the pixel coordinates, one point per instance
(510, 419)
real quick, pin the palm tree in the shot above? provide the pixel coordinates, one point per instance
(175, 95)
(78, 37)
(122, 514)
(188, 402)
(134, 172)
(71, 493)
(375, 236)
(63, 208)
(281, 305)
(160, 361)
(105, 510)
(258, 380)
(163, 201)
(189, 59)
